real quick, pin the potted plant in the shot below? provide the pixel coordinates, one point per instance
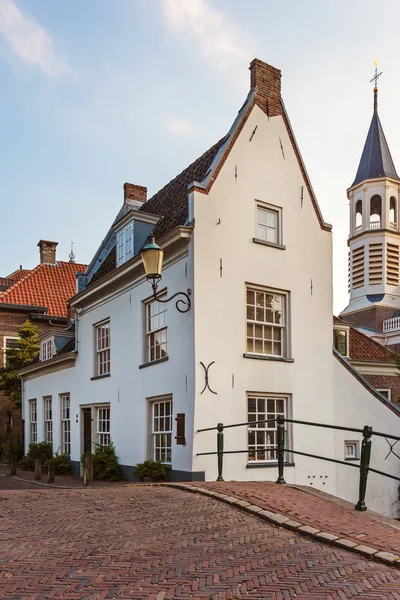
(151, 470)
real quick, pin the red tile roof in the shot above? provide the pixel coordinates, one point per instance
(46, 285)
(18, 274)
(364, 348)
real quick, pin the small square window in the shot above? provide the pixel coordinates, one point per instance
(386, 392)
(351, 450)
(341, 340)
(268, 224)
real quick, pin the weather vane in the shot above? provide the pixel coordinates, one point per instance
(375, 80)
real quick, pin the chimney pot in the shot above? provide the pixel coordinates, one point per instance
(135, 192)
(267, 80)
(47, 251)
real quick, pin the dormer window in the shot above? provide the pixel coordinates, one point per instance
(125, 244)
(341, 340)
(47, 349)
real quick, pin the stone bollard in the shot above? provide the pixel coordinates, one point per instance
(38, 469)
(13, 464)
(88, 471)
(51, 471)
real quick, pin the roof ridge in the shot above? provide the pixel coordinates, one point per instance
(20, 281)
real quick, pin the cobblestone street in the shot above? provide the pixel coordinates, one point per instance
(159, 543)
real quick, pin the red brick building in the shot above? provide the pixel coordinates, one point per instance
(40, 294)
(374, 362)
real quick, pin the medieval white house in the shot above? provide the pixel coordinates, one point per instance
(242, 231)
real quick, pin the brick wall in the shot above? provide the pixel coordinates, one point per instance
(371, 318)
(384, 382)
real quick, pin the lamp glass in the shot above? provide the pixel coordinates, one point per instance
(152, 261)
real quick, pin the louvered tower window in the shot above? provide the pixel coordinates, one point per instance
(375, 263)
(392, 264)
(357, 267)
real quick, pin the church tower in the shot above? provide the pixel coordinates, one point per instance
(374, 237)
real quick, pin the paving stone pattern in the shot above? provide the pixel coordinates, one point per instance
(160, 543)
(322, 511)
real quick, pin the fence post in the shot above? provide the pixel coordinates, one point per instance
(13, 463)
(51, 471)
(220, 450)
(88, 471)
(364, 467)
(281, 447)
(38, 469)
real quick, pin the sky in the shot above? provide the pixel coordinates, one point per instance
(94, 93)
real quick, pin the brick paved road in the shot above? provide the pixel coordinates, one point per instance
(160, 543)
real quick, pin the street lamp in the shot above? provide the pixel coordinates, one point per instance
(152, 257)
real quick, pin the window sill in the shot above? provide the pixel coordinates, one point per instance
(267, 465)
(351, 459)
(270, 244)
(154, 362)
(100, 376)
(265, 357)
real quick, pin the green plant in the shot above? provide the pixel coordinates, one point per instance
(6, 449)
(26, 463)
(105, 463)
(42, 450)
(62, 464)
(151, 468)
(26, 350)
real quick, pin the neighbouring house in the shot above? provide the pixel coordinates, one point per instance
(376, 363)
(242, 233)
(39, 294)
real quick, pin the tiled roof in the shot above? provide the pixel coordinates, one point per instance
(172, 200)
(49, 285)
(108, 265)
(18, 274)
(365, 349)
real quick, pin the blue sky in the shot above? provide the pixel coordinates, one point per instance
(98, 92)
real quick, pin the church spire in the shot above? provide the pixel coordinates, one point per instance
(376, 160)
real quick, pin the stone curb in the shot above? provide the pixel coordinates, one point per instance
(286, 523)
(53, 486)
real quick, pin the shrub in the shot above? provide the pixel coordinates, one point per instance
(6, 450)
(151, 468)
(26, 463)
(42, 450)
(62, 463)
(105, 463)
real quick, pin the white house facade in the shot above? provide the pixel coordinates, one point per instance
(241, 229)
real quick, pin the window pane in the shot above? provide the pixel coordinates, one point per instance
(261, 216)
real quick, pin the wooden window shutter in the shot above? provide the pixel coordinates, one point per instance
(180, 429)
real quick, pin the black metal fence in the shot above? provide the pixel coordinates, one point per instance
(365, 458)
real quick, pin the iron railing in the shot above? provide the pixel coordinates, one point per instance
(365, 458)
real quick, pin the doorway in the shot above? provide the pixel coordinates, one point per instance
(87, 429)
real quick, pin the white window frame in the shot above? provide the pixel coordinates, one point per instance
(125, 244)
(265, 434)
(33, 438)
(346, 331)
(387, 392)
(351, 450)
(102, 348)
(103, 425)
(262, 322)
(156, 331)
(162, 429)
(46, 349)
(5, 338)
(65, 413)
(48, 419)
(266, 231)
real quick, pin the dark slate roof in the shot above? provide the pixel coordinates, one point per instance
(376, 160)
(172, 200)
(108, 265)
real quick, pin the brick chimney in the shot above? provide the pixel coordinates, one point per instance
(47, 251)
(135, 192)
(267, 80)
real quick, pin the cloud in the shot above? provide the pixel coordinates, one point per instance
(218, 38)
(30, 42)
(179, 126)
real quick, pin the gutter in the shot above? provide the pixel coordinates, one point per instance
(24, 307)
(41, 366)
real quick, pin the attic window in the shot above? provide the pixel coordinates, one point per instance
(47, 349)
(341, 340)
(125, 244)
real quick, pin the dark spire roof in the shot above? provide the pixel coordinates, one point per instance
(376, 160)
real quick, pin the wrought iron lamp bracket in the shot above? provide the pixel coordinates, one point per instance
(185, 301)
